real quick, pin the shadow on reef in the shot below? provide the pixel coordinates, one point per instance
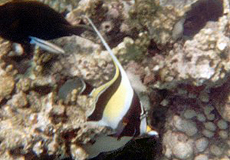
(202, 12)
(140, 149)
(31, 156)
(220, 95)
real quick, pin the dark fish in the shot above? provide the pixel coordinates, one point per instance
(22, 21)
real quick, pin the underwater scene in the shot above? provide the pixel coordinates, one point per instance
(114, 80)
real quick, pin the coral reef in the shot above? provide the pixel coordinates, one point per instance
(176, 54)
(159, 18)
(197, 131)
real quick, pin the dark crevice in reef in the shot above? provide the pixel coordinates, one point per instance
(43, 90)
(21, 64)
(219, 95)
(202, 12)
(140, 149)
(3, 102)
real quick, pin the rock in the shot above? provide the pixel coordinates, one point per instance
(222, 124)
(211, 117)
(201, 157)
(201, 144)
(223, 134)
(201, 117)
(182, 150)
(178, 145)
(189, 114)
(225, 112)
(204, 97)
(208, 110)
(77, 152)
(187, 65)
(185, 126)
(38, 148)
(19, 100)
(210, 126)
(6, 86)
(215, 150)
(207, 133)
(143, 12)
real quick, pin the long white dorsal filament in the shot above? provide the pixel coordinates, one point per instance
(106, 45)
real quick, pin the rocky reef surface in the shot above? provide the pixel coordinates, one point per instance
(177, 55)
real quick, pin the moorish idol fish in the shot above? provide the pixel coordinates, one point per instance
(32, 22)
(116, 106)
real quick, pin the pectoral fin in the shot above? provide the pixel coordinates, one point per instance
(46, 45)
